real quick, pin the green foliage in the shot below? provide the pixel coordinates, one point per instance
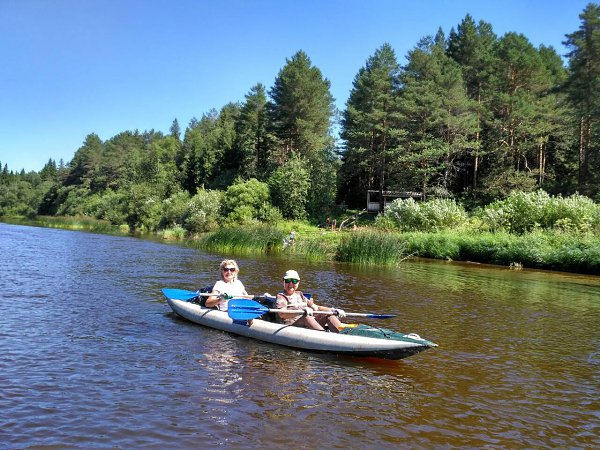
(302, 108)
(372, 247)
(432, 215)
(251, 193)
(247, 202)
(112, 206)
(174, 209)
(289, 186)
(177, 233)
(251, 239)
(371, 126)
(582, 87)
(522, 212)
(202, 211)
(251, 147)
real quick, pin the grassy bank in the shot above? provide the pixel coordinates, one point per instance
(578, 253)
(540, 250)
(77, 223)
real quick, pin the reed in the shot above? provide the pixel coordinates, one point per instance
(314, 248)
(372, 247)
(257, 239)
(76, 223)
(174, 234)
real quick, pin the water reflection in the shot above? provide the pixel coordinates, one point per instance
(91, 355)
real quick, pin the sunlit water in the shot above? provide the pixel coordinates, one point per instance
(92, 356)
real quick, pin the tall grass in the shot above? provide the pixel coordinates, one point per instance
(256, 239)
(76, 223)
(315, 247)
(372, 247)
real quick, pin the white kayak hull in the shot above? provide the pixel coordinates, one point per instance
(400, 347)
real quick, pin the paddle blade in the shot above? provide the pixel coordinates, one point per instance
(179, 294)
(380, 316)
(245, 309)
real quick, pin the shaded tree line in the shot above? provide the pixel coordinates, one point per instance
(470, 115)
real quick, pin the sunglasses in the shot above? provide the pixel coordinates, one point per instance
(291, 280)
(228, 269)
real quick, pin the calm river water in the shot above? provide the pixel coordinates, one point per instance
(92, 357)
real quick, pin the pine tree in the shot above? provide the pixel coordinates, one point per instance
(521, 82)
(370, 127)
(583, 88)
(441, 120)
(471, 46)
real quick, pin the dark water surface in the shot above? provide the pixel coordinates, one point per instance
(92, 357)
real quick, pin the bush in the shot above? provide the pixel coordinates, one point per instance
(289, 186)
(202, 211)
(244, 201)
(522, 212)
(173, 210)
(433, 215)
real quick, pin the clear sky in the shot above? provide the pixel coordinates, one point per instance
(73, 67)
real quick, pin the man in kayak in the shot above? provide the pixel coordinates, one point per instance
(292, 298)
(227, 287)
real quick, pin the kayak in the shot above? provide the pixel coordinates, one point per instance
(355, 339)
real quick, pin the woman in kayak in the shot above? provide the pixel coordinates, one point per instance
(292, 298)
(227, 287)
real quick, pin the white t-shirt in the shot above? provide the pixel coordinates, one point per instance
(234, 289)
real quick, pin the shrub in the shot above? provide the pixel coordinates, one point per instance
(433, 215)
(247, 202)
(289, 187)
(173, 209)
(523, 212)
(202, 211)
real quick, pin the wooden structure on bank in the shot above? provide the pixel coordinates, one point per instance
(373, 198)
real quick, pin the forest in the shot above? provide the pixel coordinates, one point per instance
(471, 117)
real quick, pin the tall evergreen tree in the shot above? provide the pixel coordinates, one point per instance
(252, 138)
(86, 161)
(584, 93)
(198, 154)
(175, 129)
(554, 141)
(441, 120)
(301, 109)
(521, 82)
(300, 118)
(472, 47)
(370, 127)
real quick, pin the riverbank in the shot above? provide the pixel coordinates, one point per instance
(576, 253)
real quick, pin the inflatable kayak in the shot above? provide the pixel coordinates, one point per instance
(355, 339)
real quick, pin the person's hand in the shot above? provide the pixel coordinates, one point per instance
(339, 312)
(308, 312)
(226, 296)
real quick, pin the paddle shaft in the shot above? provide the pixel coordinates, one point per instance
(329, 313)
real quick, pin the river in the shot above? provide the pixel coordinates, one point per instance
(91, 356)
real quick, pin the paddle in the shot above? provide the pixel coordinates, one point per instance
(244, 309)
(182, 294)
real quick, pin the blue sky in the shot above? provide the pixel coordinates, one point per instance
(73, 67)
